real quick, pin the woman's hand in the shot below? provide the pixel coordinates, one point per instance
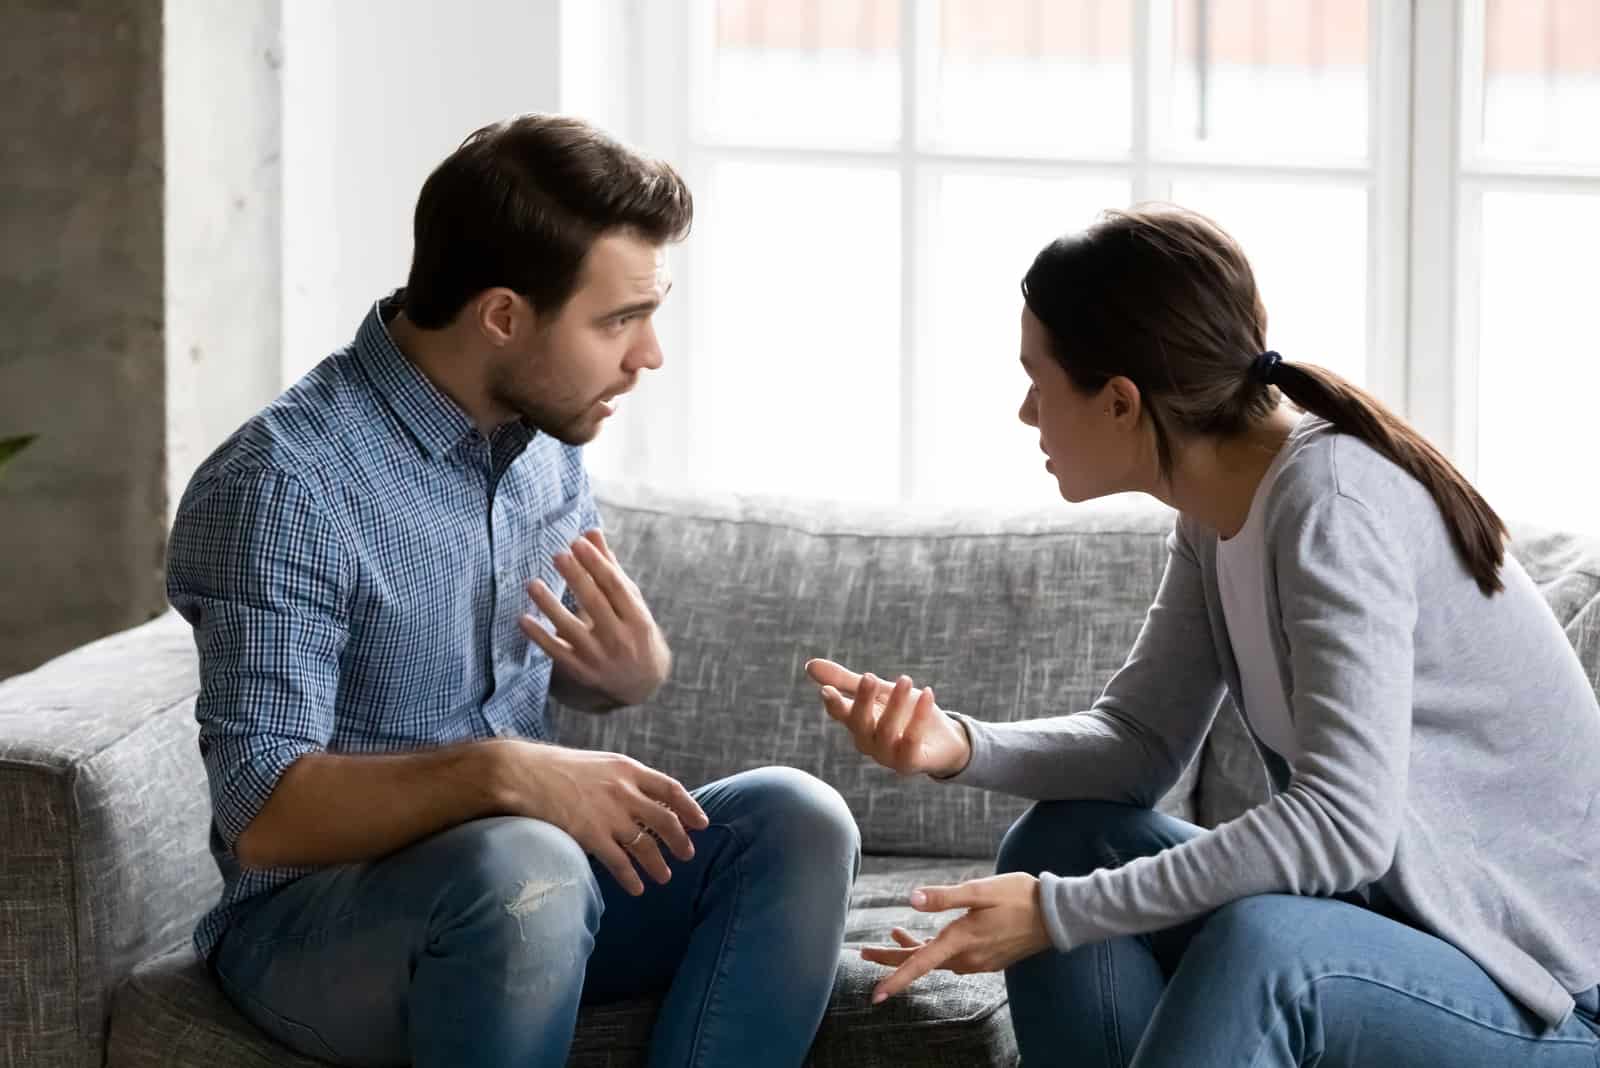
(1003, 925)
(899, 726)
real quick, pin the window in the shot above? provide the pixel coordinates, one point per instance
(873, 177)
(1529, 225)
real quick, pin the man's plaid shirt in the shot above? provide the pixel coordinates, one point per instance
(353, 562)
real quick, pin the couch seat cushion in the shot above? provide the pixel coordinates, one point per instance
(171, 1014)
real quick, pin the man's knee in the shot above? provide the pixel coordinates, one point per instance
(525, 878)
(802, 813)
(1077, 837)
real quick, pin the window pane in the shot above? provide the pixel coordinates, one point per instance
(1541, 79)
(796, 321)
(603, 457)
(824, 72)
(1033, 77)
(985, 233)
(1539, 358)
(1289, 76)
(1308, 247)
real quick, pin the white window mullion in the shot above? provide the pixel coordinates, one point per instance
(1433, 371)
(1389, 127)
(912, 54)
(1463, 391)
(1152, 76)
(656, 447)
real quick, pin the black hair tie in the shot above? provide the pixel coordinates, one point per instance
(1265, 367)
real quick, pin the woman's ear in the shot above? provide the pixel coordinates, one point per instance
(1122, 401)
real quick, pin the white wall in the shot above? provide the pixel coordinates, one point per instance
(376, 93)
(222, 155)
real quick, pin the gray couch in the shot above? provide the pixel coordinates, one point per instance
(103, 810)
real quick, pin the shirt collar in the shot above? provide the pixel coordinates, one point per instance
(436, 421)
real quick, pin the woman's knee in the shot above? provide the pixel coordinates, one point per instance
(1264, 931)
(1078, 837)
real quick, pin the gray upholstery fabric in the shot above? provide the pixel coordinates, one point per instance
(102, 834)
(171, 1015)
(1009, 618)
(103, 808)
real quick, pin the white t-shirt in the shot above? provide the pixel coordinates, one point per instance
(1242, 583)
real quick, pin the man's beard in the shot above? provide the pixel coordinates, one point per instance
(563, 424)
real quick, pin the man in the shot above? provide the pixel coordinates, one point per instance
(388, 571)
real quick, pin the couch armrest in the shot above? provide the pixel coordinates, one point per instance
(103, 825)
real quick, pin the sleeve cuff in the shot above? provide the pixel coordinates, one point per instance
(255, 778)
(978, 740)
(1050, 892)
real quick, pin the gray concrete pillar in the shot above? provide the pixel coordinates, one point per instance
(83, 512)
(140, 289)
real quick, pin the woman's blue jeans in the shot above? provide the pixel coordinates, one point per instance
(1266, 982)
(477, 945)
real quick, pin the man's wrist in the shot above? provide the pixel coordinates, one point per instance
(582, 698)
(488, 771)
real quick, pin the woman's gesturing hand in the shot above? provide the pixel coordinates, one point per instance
(897, 725)
(1003, 924)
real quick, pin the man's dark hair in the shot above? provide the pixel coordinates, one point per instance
(520, 203)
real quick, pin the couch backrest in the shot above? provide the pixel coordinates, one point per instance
(1008, 617)
(104, 808)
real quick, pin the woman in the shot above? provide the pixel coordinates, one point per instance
(1423, 888)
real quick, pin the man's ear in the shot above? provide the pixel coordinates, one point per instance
(498, 313)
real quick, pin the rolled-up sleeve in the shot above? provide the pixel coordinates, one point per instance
(260, 574)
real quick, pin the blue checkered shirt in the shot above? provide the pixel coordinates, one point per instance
(352, 561)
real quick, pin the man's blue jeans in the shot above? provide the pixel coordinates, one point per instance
(1266, 982)
(477, 945)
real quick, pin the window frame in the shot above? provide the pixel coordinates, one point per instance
(1423, 206)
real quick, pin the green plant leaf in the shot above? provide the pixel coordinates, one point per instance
(9, 447)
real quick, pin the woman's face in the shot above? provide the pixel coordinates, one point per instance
(1082, 435)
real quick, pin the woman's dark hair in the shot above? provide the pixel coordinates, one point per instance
(1163, 297)
(520, 203)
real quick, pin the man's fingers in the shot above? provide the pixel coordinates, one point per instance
(827, 673)
(598, 538)
(611, 582)
(671, 793)
(920, 963)
(588, 592)
(665, 825)
(647, 851)
(617, 862)
(568, 626)
(559, 651)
